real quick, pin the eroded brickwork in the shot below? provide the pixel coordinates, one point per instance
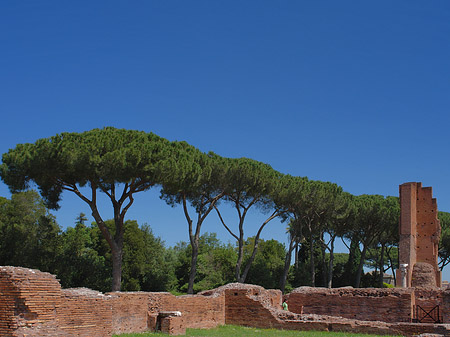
(29, 300)
(129, 312)
(368, 304)
(419, 237)
(84, 312)
(138, 311)
(32, 304)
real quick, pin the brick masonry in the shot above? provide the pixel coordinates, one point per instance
(32, 303)
(419, 230)
(369, 304)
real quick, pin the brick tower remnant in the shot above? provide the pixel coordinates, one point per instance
(420, 231)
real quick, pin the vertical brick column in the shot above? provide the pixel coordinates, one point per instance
(419, 236)
(407, 228)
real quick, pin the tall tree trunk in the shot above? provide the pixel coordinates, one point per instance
(296, 255)
(324, 264)
(360, 267)
(239, 239)
(391, 264)
(255, 247)
(311, 260)
(115, 244)
(287, 263)
(117, 259)
(194, 236)
(194, 240)
(193, 270)
(331, 263)
(381, 266)
(238, 267)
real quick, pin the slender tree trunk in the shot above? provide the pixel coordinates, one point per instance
(239, 239)
(117, 259)
(287, 263)
(311, 260)
(115, 244)
(331, 263)
(296, 255)
(194, 239)
(324, 264)
(360, 267)
(240, 249)
(194, 236)
(255, 247)
(381, 266)
(193, 270)
(391, 264)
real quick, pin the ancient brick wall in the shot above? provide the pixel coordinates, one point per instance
(387, 305)
(28, 302)
(32, 304)
(85, 312)
(426, 297)
(245, 307)
(132, 311)
(198, 311)
(247, 304)
(129, 312)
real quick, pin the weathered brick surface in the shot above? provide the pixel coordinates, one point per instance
(369, 304)
(84, 312)
(198, 311)
(32, 304)
(136, 311)
(28, 302)
(129, 312)
(419, 232)
(173, 325)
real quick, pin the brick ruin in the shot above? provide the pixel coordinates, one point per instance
(420, 231)
(32, 303)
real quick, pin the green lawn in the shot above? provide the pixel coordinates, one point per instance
(237, 331)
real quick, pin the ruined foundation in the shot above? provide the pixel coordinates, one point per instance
(33, 304)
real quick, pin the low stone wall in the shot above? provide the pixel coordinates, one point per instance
(197, 311)
(369, 304)
(132, 311)
(29, 300)
(84, 312)
(33, 304)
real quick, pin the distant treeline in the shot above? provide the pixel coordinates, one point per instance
(80, 257)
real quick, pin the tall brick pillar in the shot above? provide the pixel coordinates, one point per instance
(420, 230)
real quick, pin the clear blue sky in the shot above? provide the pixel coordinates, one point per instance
(353, 92)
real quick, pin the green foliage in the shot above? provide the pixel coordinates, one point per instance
(351, 267)
(146, 264)
(28, 233)
(81, 264)
(444, 244)
(100, 157)
(268, 265)
(215, 263)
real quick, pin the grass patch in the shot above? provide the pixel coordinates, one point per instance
(239, 331)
